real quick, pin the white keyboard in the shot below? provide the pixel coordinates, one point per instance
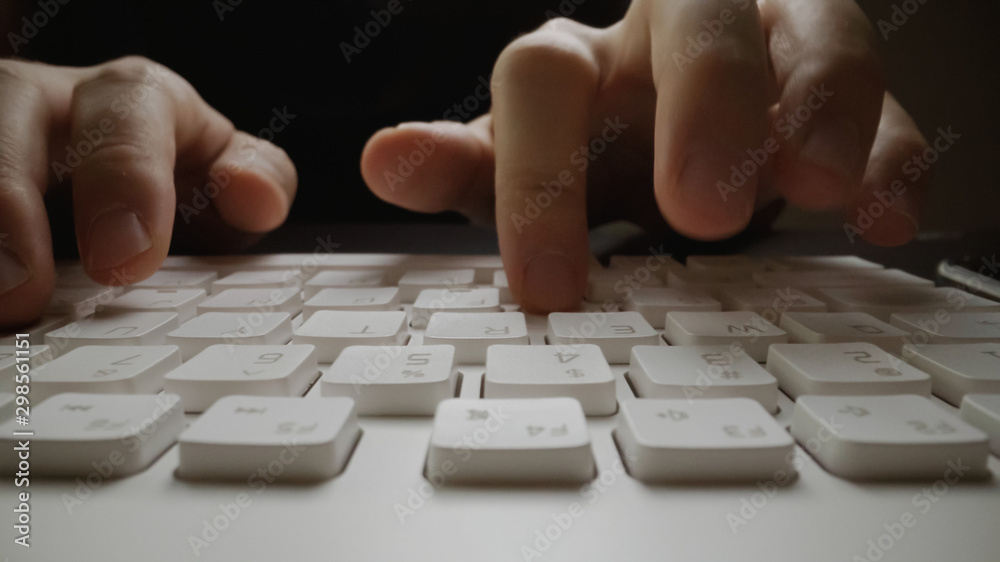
(402, 407)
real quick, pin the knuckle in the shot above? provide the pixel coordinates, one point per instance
(548, 53)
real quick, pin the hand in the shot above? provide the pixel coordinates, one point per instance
(138, 144)
(720, 106)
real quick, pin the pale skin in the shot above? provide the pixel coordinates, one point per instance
(681, 117)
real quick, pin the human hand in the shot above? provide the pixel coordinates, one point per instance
(720, 107)
(139, 145)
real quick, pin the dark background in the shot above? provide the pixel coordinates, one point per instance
(258, 56)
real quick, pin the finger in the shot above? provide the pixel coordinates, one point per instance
(887, 210)
(543, 89)
(710, 72)
(434, 167)
(831, 88)
(135, 118)
(27, 274)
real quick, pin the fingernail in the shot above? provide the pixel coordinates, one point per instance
(115, 237)
(12, 272)
(834, 146)
(549, 283)
(909, 217)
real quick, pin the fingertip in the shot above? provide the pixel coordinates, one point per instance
(551, 282)
(712, 196)
(253, 202)
(24, 290)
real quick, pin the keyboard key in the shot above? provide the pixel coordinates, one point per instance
(958, 369)
(183, 302)
(471, 333)
(230, 328)
(37, 355)
(614, 332)
(347, 279)
(105, 435)
(258, 370)
(113, 328)
(106, 369)
(510, 441)
(654, 304)
(270, 439)
(944, 327)
(178, 279)
(265, 301)
(728, 439)
(710, 282)
(449, 300)
(267, 279)
(770, 302)
(983, 411)
(416, 280)
(617, 285)
(732, 266)
(806, 280)
(882, 302)
(749, 330)
(701, 372)
(545, 371)
(842, 327)
(843, 369)
(331, 331)
(375, 298)
(888, 437)
(818, 263)
(77, 302)
(500, 282)
(393, 381)
(36, 330)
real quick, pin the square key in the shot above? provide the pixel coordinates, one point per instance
(614, 332)
(264, 439)
(393, 380)
(510, 441)
(346, 279)
(545, 371)
(770, 302)
(273, 279)
(106, 369)
(416, 280)
(883, 302)
(843, 369)
(701, 372)
(654, 304)
(36, 355)
(617, 285)
(109, 434)
(749, 330)
(431, 301)
(958, 369)
(259, 370)
(950, 327)
(249, 300)
(113, 328)
(80, 302)
(721, 439)
(888, 437)
(330, 331)
(183, 302)
(842, 327)
(178, 279)
(355, 299)
(472, 333)
(231, 328)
